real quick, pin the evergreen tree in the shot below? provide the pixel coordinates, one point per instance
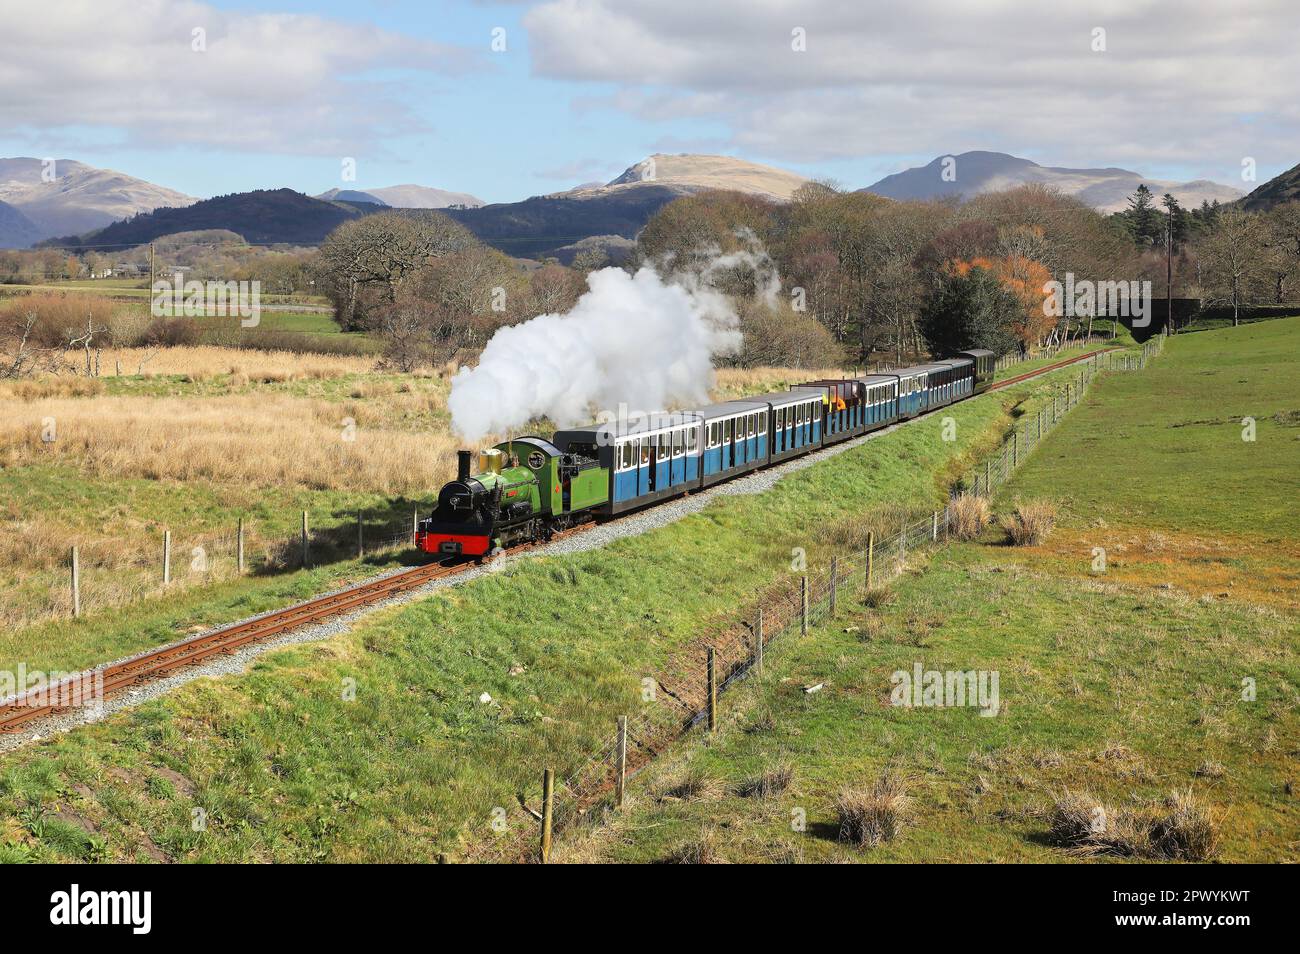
(974, 310)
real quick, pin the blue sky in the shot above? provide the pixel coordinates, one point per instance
(414, 93)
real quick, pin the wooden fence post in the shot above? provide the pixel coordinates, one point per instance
(803, 605)
(167, 557)
(415, 525)
(934, 528)
(1015, 449)
(548, 812)
(620, 762)
(361, 536)
(713, 690)
(76, 583)
(835, 572)
(988, 476)
(239, 546)
(306, 551)
(871, 557)
(758, 645)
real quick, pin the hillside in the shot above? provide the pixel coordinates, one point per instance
(261, 217)
(553, 224)
(1276, 191)
(16, 229)
(80, 197)
(1104, 189)
(405, 197)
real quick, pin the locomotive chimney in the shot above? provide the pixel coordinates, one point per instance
(462, 464)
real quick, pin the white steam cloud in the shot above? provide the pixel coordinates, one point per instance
(635, 339)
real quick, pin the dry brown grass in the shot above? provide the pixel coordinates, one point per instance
(970, 515)
(702, 850)
(1029, 524)
(869, 817)
(255, 440)
(768, 783)
(691, 785)
(1180, 828)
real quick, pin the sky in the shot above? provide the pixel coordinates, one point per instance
(510, 99)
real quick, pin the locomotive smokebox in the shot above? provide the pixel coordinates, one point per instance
(462, 464)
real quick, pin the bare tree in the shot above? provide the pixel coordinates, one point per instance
(1232, 259)
(19, 357)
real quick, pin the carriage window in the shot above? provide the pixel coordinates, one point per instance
(663, 446)
(625, 456)
(644, 444)
(762, 423)
(726, 430)
(678, 438)
(692, 440)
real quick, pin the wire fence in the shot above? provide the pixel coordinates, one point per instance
(686, 691)
(1012, 358)
(104, 573)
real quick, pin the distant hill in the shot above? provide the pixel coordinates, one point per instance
(407, 197)
(540, 226)
(350, 195)
(262, 217)
(79, 197)
(1106, 190)
(557, 225)
(696, 173)
(1276, 191)
(16, 229)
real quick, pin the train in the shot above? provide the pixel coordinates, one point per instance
(527, 489)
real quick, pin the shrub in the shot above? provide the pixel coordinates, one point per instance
(869, 817)
(1030, 523)
(970, 514)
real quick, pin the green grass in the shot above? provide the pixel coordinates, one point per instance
(1164, 448)
(1124, 683)
(288, 769)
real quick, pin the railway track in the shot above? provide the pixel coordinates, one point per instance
(86, 688)
(1051, 367)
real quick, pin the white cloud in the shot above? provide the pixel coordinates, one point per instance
(275, 82)
(879, 77)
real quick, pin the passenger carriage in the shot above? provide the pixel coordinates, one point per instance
(880, 404)
(985, 364)
(843, 401)
(649, 458)
(735, 435)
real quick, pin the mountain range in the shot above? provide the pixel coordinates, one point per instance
(971, 173)
(66, 197)
(560, 224)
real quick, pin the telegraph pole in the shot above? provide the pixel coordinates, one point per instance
(151, 279)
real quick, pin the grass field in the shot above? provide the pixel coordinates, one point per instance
(1125, 683)
(286, 768)
(206, 436)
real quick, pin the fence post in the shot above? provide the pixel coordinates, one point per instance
(415, 524)
(361, 538)
(239, 546)
(548, 806)
(803, 605)
(871, 557)
(934, 528)
(1015, 449)
(758, 645)
(620, 762)
(76, 583)
(306, 551)
(835, 572)
(713, 690)
(988, 476)
(167, 557)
